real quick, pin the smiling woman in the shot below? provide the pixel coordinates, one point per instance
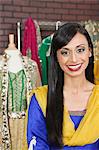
(74, 57)
(63, 114)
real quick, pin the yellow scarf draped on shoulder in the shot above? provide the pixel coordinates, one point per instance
(88, 129)
(96, 71)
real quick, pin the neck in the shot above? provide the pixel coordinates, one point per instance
(75, 84)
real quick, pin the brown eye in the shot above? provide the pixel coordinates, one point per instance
(80, 50)
(65, 52)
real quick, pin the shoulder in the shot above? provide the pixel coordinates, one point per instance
(96, 89)
(96, 94)
(41, 96)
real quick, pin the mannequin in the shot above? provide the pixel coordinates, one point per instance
(14, 63)
(18, 75)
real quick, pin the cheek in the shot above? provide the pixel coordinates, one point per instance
(62, 62)
(86, 57)
(85, 61)
(61, 59)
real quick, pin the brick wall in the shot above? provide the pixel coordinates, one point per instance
(12, 11)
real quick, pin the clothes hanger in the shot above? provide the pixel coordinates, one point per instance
(58, 23)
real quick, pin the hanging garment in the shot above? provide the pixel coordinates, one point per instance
(38, 34)
(93, 29)
(84, 137)
(44, 54)
(14, 100)
(29, 46)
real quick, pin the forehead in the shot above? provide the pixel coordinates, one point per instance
(78, 39)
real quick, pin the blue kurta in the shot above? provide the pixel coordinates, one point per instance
(37, 133)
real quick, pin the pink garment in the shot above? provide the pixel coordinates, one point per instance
(30, 41)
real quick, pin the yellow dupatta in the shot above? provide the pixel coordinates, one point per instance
(88, 129)
(96, 71)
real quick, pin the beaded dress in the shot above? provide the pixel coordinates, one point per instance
(14, 100)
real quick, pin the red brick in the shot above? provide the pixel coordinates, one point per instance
(53, 17)
(76, 12)
(1, 7)
(91, 1)
(11, 20)
(4, 38)
(7, 31)
(70, 1)
(38, 4)
(54, 5)
(76, 1)
(1, 20)
(20, 15)
(6, 26)
(46, 10)
(82, 18)
(68, 5)
(91, 12)
(29, 9)
(96, 7)
(1, 43)
(46, 0)
(61, 11)
(62, 1)
(83, 6)
(21, 2)
(1, 32)
(12, 8)
(68, 17)
(5, 14)
(1, 49)
(5, 1)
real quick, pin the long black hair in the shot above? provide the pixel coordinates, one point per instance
(54, 111)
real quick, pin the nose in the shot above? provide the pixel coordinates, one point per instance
(73, 57)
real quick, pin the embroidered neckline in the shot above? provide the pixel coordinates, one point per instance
(77, 113)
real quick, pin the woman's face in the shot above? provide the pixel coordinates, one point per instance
(74, 57)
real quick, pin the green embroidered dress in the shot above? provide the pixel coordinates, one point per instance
(14, 99)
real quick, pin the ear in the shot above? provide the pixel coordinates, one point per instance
(90, 52)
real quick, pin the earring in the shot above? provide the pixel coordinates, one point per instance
(90, 54)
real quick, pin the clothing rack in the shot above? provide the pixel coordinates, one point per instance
(52, 25)
(49, 25)
(44, 26)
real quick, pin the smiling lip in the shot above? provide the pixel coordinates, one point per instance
(74, 67)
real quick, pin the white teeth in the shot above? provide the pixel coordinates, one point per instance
(74, 67)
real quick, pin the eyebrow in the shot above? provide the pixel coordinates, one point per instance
(65, 48)
(80, 45)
